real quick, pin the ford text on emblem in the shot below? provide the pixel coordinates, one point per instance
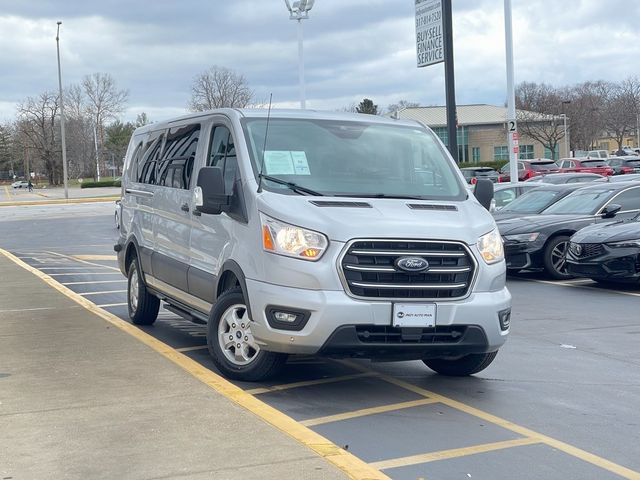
(412, 264)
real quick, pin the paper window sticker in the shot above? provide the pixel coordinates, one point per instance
(278, 162)
(300, 163)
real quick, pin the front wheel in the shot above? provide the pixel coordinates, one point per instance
(555, 258)
(231, 344)
(461, 367)
(143, 306)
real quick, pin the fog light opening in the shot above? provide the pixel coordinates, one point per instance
(505, 319)
(285, 318)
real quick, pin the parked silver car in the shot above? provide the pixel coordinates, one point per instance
(297, 232)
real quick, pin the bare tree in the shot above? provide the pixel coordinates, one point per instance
(219, 87)
(619, 110)
(142, 119)
(394, 108)
(104, 102)
(37, 126)
(584, 112)
(539, 106)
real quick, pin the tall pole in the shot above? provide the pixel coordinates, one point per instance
(512, 125)
(449, 79)
(95, 143)
(62, 132)
(566, 139)
(303, 102)
(638, 130)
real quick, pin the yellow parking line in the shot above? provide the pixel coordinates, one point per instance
(603, 463)
(367, 411)
(354, 467)
(309, 383)
(59, 201)
(6, 189)
(453, 453)
(95, 257)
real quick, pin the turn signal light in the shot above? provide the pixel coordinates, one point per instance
(267, 240)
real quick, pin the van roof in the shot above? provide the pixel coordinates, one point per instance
(282, 113)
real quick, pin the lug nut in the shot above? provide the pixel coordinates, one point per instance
(233, 325)
(246, 339)
(238, 345)
(242, 325)
(230, 337)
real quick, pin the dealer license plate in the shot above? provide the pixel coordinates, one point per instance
(414, 315)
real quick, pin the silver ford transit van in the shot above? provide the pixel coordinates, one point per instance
(301, 232)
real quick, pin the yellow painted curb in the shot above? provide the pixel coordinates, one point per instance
(354, 467)
(61, 201)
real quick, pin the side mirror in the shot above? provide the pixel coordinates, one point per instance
(209, 195)
(483, 191)
(610, 210)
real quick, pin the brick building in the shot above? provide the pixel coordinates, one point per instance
(482, 133)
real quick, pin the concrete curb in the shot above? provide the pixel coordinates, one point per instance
(61, 201)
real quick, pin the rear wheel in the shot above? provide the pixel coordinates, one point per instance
(231, 343)
(463, 366)
(143, 306)
(555, 258)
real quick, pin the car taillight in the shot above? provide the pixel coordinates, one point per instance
(474, 180)
(627, 170)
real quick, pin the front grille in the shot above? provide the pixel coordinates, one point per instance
(386, 334)
(586, 250)
(369, 269)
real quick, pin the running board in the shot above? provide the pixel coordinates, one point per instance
(195, 317)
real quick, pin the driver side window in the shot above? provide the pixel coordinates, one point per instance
(222, 154)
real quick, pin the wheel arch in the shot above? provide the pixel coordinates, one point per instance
(231, 275)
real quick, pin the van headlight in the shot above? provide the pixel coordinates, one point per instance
(284, 239)
(490, 247)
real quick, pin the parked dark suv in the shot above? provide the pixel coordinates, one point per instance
(623, 165)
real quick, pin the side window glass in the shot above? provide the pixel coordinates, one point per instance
(176, 166)
(147, 165)
(223, 154)
(135, 158)
(629, 200)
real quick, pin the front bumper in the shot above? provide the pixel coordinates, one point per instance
(523, 255)
(619, 264)
(337, 323)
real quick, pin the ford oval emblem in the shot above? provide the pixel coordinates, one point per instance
(412, 264)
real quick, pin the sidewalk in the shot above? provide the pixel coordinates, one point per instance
(82, 399)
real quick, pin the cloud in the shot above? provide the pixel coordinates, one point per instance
(355, 49)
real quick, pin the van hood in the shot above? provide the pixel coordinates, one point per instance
(343, 219)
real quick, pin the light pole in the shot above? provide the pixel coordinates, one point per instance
(512, 123)
(300, 11)
(566, 140)
(62, 133)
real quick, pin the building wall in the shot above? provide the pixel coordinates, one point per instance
(487, 137)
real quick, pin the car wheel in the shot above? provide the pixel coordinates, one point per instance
(555, 258)
(461, 367)
(143, 306)
(231, 343)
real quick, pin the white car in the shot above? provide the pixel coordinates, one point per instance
(20, 184)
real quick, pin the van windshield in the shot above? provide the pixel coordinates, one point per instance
(352, 159)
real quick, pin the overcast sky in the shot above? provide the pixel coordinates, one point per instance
(353, 48)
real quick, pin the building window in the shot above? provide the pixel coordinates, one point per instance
(501, 153)
(553, 155)
(526, 152)
(475, 154)
(442, 133)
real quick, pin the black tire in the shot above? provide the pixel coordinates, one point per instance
(259, 364)
(144, 311)
(553, 265)
(117, 221)
(461, 367)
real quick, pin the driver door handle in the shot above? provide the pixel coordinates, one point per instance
(184, 207)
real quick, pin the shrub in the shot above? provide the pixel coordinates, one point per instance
(101, 183)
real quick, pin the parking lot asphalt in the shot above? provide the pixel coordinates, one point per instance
(560, 401)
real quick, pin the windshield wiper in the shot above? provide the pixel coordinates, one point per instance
(293, 186)
(381, 195)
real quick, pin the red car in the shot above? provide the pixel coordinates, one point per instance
(529, 168)
(585, 165)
